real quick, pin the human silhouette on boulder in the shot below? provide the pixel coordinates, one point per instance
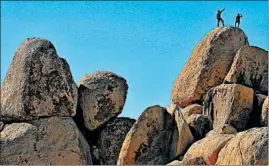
(237, 19)
(219, 17)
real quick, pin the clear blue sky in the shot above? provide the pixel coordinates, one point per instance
(147, 43)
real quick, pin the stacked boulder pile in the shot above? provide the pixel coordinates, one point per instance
(219, 113)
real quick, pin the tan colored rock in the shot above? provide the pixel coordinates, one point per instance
(175, 162)
(249, 147)
(111, 138)
(264, 116)
(250, 68)
(199, 125)
(52, 141)
(144, 144)
(229, 104)
(102, 96)
(206, 149)
(192, 109)
(183, 137)
(171, 108)
(38, 84)
(208, 65)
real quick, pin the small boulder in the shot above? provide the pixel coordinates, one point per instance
(192, 109)
(229, 104)
(250, 68)
(206, 149)
(48, 141)
(199, 125)
(38, 84)
(208, 65)
(102, 96)
(249, 147)
(264, 116)
(111, 138)
(144, 144)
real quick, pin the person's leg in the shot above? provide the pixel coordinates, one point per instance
(222, 22)
(218, 23)
(238, 24)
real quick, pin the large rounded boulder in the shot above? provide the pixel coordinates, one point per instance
(250, 68)
(229, 104)
(157, 137)
(206, 150)
(38, 84)
(249, 147)
(208, 65)
(102, 96)
(53, 141)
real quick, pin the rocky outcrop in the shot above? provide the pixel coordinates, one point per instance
(102, 96)
(206, 149)
(246, 148)
(111, 138)
(250, 68)
(264, 115)
(144, 143)
(208, 65)
(54, 141)
(199, 125)
(229, 104)
(192, 109)
(38, 84)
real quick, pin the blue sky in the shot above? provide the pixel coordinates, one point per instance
(147, 43)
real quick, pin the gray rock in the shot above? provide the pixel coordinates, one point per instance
(48, 141)
(102, 96)
(38, 84)
(199, 125)
(111, 139)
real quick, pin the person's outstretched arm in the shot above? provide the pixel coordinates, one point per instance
(222, 10)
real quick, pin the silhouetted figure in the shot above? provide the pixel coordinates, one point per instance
(219, 17)
(237, 19)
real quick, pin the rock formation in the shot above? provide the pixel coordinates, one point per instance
(229, 104)
(206, 149)
(111, 138)
(250, 68)
(208, 65)
(54, 141)
(249, 147)
(222, 89)
(38, 84)
(102, 97)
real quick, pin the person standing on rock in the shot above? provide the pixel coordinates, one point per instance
(219, 17)
(237, 19)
